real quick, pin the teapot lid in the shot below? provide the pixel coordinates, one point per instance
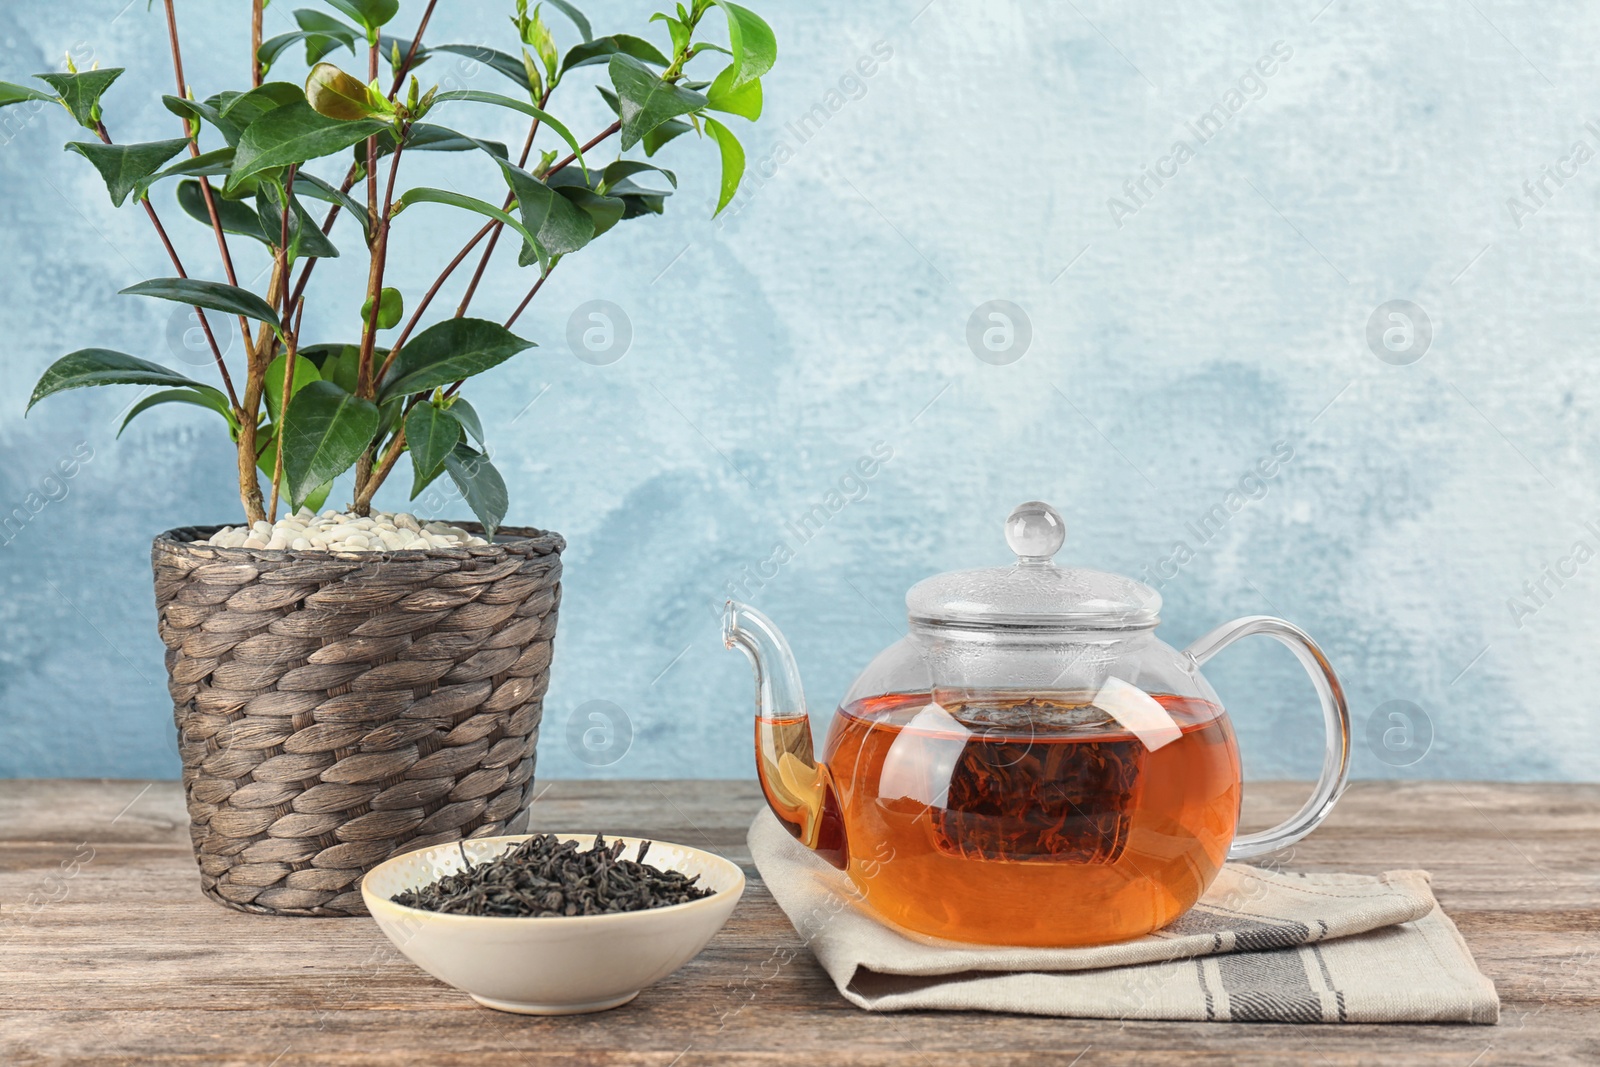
(1033, 591)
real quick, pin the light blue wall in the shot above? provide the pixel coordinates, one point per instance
(829, 312)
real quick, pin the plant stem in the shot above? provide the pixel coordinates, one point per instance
(596, 139)
(494, 236)
(366, 382)
(372, 146)
(260, 356)
(492, 227)
(194, 150)
(517, 313)
(427, 298)
(290, 343)
(293, 348)
(177, 265)
(411, 53)
(368, 478)
(256, 72)
(350, 175)
(376, 478)
(327, 228)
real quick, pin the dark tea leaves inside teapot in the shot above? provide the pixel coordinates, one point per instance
(546, 877)
(1025, 787)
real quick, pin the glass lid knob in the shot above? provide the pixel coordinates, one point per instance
(1035, 532)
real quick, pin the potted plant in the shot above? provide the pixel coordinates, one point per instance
(349, 686)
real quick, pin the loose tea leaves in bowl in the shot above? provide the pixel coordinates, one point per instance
(545, 877)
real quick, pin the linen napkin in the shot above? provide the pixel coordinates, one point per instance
(1260, 946)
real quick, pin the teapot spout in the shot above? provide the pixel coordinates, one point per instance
(796, 786)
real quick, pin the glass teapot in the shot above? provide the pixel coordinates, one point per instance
(1030, 764)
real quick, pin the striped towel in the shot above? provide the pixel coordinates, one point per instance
(1260, 946)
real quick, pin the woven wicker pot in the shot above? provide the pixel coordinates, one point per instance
(334, 709)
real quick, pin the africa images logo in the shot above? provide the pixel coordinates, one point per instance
(1250, 86)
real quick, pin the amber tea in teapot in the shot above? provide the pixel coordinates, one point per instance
(1029, 765)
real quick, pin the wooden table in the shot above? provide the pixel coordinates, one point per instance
(109, 953)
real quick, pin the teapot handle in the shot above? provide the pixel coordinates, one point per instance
(1335, 714)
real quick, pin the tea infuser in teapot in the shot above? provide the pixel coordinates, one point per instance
(1030, 764)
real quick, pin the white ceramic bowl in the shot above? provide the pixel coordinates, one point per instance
(551, 966)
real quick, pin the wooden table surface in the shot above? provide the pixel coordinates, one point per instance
(110, 954)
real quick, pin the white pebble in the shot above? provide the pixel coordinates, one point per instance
(306, 531)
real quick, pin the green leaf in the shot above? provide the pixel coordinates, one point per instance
(267, 462)
(318, 496)
(481, 485)
(604, 211)
(324, 33)
(325, 431)
(467, 416)
(645, 100)
(426, 195)
(266, 448)
(244, 108)
(273, 47)
(17, 94)
(557, 224)
(623, 199)
(388, 47)
(622, 169)
(391, 305)
(676, 29)
(426, 137)
(537, 35)
(517, 105)
(663, 133)
(305, 233)
(575, 15)
(732, 161)
(447, 352)
(216, 161)
(369, 13)
(305, 372)
(195, 111)
(310, 185)
(743, 100)
(389, 413)
(235, 217)
(338, 363)
(218, 296)
(602, 49)
(294, 133)
(125, 166)
(510, 66)
(337, 95)
(81, 92)
(321, 33)
(101, 366)
(431, 434)
(201, 396)
(755, 48)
